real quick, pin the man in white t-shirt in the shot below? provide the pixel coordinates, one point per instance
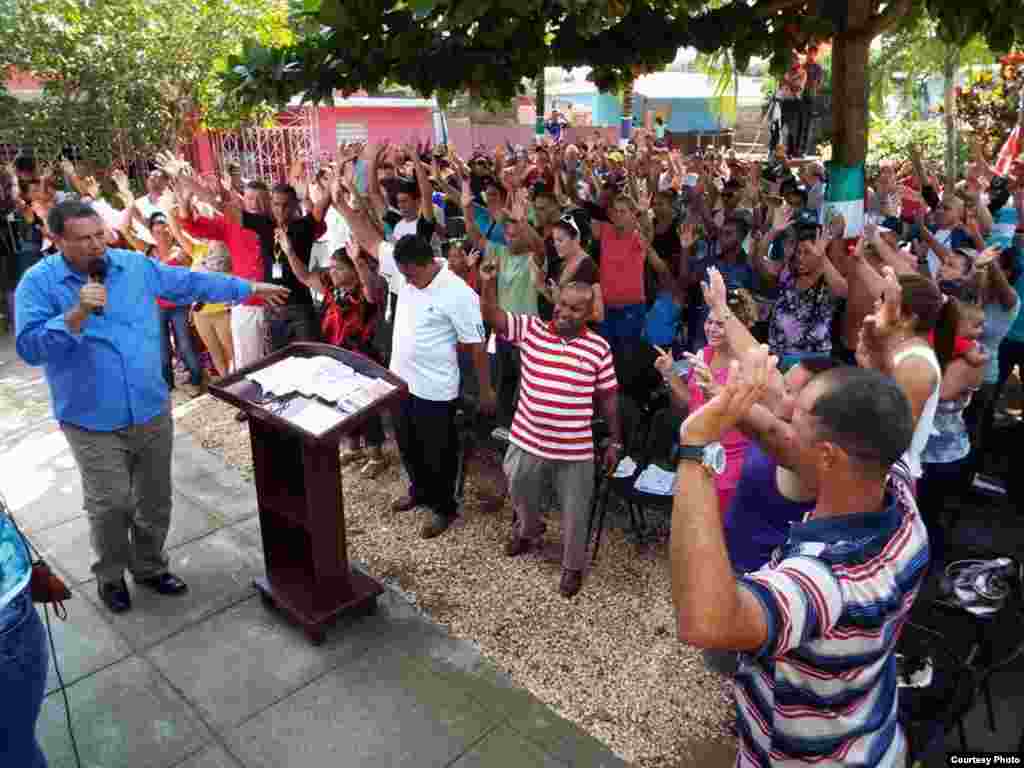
(436, 312)
(148, 204)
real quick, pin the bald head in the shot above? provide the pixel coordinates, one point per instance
(575, 307)
(580, 292)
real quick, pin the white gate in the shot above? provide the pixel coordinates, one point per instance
(266, 153)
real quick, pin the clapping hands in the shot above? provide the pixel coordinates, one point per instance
(746, 385)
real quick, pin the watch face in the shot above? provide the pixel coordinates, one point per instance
(714, 457)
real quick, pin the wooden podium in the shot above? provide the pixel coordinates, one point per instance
(298, 487)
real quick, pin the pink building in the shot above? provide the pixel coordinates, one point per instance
(314, 134)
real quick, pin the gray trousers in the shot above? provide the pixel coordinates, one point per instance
(126, 482)
(573, 482)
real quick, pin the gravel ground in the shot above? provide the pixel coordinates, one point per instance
(607, 660)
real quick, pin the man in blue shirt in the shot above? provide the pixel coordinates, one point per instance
(99, 343)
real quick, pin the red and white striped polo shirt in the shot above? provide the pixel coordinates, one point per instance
(557, 382)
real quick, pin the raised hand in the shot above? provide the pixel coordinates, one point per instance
(782, 217)
(663, 363)
(714, 290)
(67, 168)
(986, 258)
(870, 232)
(316, 195)
(283, 242)
(687, 235)
(91, 187)
(297, 170)
(821, 241)
(489, 269)
(466, 199)
(643, 201)
(703, 376)
(517, 205)
(746, 385)
(837, 226)
(657, 263)
(888, 309)
(120, 179)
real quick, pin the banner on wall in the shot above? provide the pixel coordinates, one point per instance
(845, 195)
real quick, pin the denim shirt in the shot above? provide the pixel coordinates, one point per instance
(108, 376)
(15, 563)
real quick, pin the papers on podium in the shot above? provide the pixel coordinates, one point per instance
(319, 377)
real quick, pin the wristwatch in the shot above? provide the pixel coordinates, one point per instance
(710, 456)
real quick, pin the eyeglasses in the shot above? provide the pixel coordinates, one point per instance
(569, 221)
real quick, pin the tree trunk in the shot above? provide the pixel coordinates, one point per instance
(541, 110)
(627, 110)
(951, 63)
(850, 53)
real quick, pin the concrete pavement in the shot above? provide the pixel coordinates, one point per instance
(215, 679)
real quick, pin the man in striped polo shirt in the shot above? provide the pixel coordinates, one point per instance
(817, 626)
(564, 367)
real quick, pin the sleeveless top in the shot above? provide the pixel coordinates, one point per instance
(926, 424)
(734, 442)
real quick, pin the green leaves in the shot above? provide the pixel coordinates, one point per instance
(145, 69)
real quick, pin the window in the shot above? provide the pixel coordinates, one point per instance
(347, 132)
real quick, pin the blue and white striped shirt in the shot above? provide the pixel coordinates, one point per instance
(822, 690)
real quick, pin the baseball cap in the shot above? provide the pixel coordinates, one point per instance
(805, 223)
(890, 224)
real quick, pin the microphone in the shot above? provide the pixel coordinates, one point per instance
(98, 274)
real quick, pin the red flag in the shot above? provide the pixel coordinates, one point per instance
(1009, 152)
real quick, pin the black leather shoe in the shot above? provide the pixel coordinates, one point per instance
(165, 584)
(115, 596)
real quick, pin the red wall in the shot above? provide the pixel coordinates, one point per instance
(397, 125)
(465, 135)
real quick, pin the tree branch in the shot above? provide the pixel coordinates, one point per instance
(771, 7)
(880, 22)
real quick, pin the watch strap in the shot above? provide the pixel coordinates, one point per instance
(692, 453)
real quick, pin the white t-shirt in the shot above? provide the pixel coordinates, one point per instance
(338, 233)
(428, 325)
(388, 268)
(147, 208)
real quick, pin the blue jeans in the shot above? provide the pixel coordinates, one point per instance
(623, 323)
(24, 660)
(177, 317)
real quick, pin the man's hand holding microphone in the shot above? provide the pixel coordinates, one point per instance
(92, 298)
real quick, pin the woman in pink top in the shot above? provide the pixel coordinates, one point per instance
(709, 371)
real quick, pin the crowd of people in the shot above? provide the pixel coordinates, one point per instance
(828, 395)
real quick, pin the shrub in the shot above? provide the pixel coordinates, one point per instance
(988, 103)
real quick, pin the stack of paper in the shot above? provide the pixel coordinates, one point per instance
(626, 468)
(656, 480)
(313, 417)
(321, 377)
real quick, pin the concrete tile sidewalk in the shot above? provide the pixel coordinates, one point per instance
(215, 679)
